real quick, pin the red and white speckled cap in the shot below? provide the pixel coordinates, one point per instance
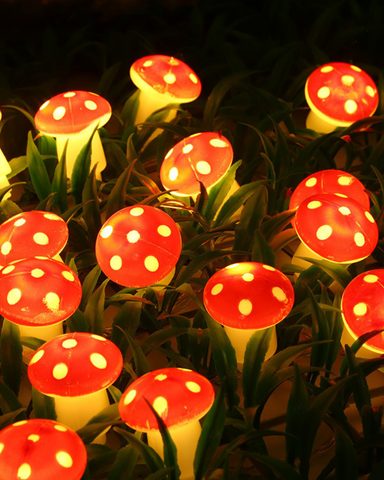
(72, 113)
(30, 234)
(202, 157)
(41, 450)
(341, 93)
(138, 246)
(178, 395)
(248, 295)
(75, 364)
(166, 78)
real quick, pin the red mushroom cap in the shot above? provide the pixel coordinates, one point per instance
(30, 234)
(75, 364)
(41, 450)
(248, 295)
(336, 227)
(72, 113)
(38, 292)
(168, 77)
(363, 307)
(178, 395)
(341, 93)
(202, 157)
(138, 246)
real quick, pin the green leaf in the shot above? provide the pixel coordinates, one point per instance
(89, 285)
(339, 273)
(43, 405)
(91, 211)
(376, 472)
(8, 400)
(81, 169)
(159, 475)
(60, 183)
(347, 462)
(336, 332)
(116, 199)
(8, 418)
(279, 466)
(141, 362)
(262, 252)
(130, 109)
(94, 310)
(274, 225)
(127, 319)
(18, 165)
(210, 436)
(358, 382)
(124, 464)
(11, 355)
(37, 170)
(77, 323)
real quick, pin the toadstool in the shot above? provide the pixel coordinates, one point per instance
(163, 80)
(73, 116)
(138, 246)
(180, 397)
(362, 304)
(38, 294)
(338, 95)
(202, 157)
(41, 449)
(30, 234)
(247, 297)
(76, 369)
(5, 169)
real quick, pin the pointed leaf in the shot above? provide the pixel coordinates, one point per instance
(11, 355)
(37, 170)
(60, 183)
(94, 310)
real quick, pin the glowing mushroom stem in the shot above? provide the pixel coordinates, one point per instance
(75, 145)
(185, 438)
(239, 339)
(319, 124)
(148, 104)
(304, 251)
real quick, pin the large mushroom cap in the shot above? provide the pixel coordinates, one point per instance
(41, 450)
(72, 113)
(363, 307)
(336, 227)
(30, 234)
(178, 395)
(248, 295)
(341, 93)
(38, 292)
(166, 78)
(202, 157)
(75, 364)
(138, 246)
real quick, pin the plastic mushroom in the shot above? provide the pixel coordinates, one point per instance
(41, 450)
(330, 181)
(163, 80)
(138, 246)
(5, 169)
(73, 116)
(202, 157)
(34, 233)
(76, 369)
(338, 95)
(248, 297)
(362, 304)
(334, 227)
(180, 397)
(38, 294)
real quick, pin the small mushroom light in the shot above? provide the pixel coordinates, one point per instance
(248, 297)
(38, 294)
(73, 116)
(362, 304)
(5, 169)
(163, 80)
(138, 246)
(180, 397)
(30, 234)
(338, 95)
(334, 227)
(41, 449)
(76, 369)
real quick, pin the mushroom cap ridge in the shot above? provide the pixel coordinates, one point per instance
(341, 93)
(72, 113)
(362, 304)
(42, 449)
(75, 364)
(166, 78)
(33, 233)
(178, 395)
(336, 227)
(248, 295)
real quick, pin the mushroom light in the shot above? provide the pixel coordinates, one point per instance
(248, 297)
(76, 370)
(41, 450)
(362, 304)
(163, 80)
(73, 116)
(338, 95)
(180, 397)
(138, 246)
